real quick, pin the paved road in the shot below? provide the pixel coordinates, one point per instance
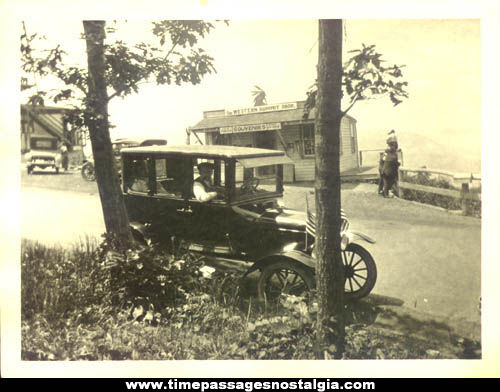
(60, 217)
(430, 259)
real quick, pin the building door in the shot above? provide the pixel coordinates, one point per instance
(267, 140)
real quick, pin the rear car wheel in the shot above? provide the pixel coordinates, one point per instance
(88, 172)
(284, 277)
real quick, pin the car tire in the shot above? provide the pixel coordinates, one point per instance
(284, 276)
(88, 172)
(360, 272)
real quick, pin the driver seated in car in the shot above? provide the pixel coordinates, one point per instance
(203, 189)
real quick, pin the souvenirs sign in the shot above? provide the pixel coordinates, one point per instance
(250, 128)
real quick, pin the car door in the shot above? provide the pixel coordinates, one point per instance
(169, 204)
(209, 221)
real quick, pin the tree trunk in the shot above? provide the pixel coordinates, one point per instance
(108, 183)
(329, 268)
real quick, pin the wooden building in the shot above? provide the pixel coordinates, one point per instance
(280, 127)
(49, 123)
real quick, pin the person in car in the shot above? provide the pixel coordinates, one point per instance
(139, 177)
(203, 189)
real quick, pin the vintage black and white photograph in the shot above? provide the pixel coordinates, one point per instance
(249, 188)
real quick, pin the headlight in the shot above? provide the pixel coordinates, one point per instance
(290, 247)
(344, 241)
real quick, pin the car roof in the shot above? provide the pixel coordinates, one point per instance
(139, 141)
(204, 151)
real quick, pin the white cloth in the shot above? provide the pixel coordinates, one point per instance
(201, 194)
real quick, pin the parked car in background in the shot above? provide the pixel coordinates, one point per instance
(246, 223)
(44, 153)
(88, 170)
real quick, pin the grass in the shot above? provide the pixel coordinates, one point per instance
(93, 303)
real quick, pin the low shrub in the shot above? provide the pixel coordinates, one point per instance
(55, 280)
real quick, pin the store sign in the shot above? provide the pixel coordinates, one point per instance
(250, 128)
(261, 109)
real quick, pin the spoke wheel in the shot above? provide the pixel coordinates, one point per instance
(88, 172)
(360, 272)
(284, 277)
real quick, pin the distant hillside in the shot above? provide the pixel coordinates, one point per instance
(423, 150)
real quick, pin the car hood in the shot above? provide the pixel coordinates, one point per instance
(283, 217)
(291, 218)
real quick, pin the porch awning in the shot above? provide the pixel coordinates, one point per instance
(264, 161)
(213, 124)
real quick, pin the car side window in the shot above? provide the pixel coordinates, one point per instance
(138, 180)
(216, 181)
(170, 177)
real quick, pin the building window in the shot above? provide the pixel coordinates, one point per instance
(308, 140)
(222, 140)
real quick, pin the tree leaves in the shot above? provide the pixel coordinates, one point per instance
(365, 77)
(181, 32)
(177, 60)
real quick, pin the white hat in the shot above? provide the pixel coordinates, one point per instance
(392, 137)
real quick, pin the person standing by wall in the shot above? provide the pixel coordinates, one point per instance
(389, 164)
(64, 156)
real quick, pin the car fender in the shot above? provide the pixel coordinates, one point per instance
(357, 235)
(298, 256)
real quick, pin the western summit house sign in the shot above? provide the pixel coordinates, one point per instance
(261, 109)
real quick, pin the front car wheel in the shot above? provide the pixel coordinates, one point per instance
(360, 272)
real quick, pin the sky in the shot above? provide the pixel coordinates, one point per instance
(441, 58)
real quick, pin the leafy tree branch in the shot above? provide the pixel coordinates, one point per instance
(364, 77)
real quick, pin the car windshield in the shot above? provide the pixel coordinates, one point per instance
(43, 144)
(252, 182)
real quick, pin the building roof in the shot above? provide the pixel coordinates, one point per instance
(205, 151)
(48, 117)
(213, 120)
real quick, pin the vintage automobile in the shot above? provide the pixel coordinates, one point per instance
(43, 154)
(245, 223)
(88, 171)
